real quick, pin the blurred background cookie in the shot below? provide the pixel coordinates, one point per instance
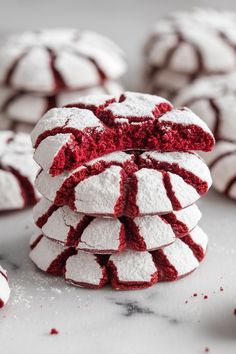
(186, 45)
(47, 68)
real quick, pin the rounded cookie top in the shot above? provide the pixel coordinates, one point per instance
(131, 184)
(17, 172)
(213, 98)
(198, 42)
(97, 125)
(54, 59)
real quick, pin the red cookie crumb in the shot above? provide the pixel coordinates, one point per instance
(54, 331)
(205, 297)
(221, 288)
(195, 294)
(235, 312)
(206, 350)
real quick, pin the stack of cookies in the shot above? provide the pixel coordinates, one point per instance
(119, 180)
(48, 68)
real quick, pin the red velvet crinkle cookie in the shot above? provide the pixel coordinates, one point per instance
(4, 287)
(222, 162)
(52, 60)
(213, 99)
(21, 110)
(186, 45)
(97, 125)
(17, 171)
(130, 184)
(109, 235)
(126, 270)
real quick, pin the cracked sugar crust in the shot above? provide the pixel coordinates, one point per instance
(17, 172)
(128, 270)
(109, 235)
(222, 163)
(186, 45)
(131, 184)
(23, 109)
(98, 125)
(213, 98)
(52, 60)
(4, 288)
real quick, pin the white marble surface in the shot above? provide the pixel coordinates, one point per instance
(155, 320)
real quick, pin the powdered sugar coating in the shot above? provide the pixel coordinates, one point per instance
(155, 233)
(102, 235)
(54, 59)
(181, 257)
(156, 183)
(49, 186)
(100, 192)
(185, 117)
(4, 288)
(104, 124)
(18, 171)
(60, 222)
(45, 253)
(108, 235)
(200, 238)
(73, 118)
(222, 163)
(41, 208)
(190, 162)
(133, 266)
(214, 100)
(129, 269)
(83, 268)
(151, 191)
(54, 144)
(190, 44)
(136, 105)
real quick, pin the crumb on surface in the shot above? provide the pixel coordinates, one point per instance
(54, 331)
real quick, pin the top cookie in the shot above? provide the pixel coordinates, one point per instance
(214, 99)
(65, 138)
(50, 60)
(200, 42)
